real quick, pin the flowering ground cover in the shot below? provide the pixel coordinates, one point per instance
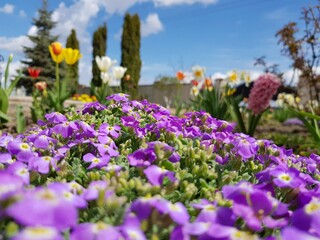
(133, 171)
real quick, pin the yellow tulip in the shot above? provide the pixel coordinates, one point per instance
(57, 52)
(72, 56)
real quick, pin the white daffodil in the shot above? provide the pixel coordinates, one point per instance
(105, 77)
(104, 63)
(118, 72)
(198, 72)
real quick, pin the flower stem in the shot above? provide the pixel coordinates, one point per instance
(58, 87)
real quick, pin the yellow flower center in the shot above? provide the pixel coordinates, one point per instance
(312, 207)
(39, 233)
(95, 160)
(47, 158)
(285, 177)
(24, 146)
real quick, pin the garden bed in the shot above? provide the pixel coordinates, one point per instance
(134, 171)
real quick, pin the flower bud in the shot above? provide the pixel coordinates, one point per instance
(56, 48)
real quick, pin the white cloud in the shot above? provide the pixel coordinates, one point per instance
(7, 8)
(22, 13)
(33, 31)
(152, 25)
(14, 45)
(168, 3)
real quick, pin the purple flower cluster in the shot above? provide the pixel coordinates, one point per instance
(133, 171)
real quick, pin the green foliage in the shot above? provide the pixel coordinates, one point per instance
(21, 119)
(310, 120)
(5, 92)
(130, 53)
(281, 114)
(73, 70)
(212, 101)
(99, 44)
(38, 56)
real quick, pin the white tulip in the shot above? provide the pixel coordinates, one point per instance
(104, 63)
(105, 77)
(118, 72)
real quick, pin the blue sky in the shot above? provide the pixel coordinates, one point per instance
(220, 35)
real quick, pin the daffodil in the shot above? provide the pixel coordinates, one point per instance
(198, 72)
(233, 77)
(57, 52)
(72, 56)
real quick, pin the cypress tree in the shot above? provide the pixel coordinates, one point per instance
(72, 42)
(38, 56)
(130, 55)
(99, 44)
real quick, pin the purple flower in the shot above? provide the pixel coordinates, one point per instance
(119, 97)
(106, 130)
(66, 129)
(6, 158)
(92, 107)
(22, 150)
(108, 149)
(43, 164)
(307, 218)
(65, 190)
(94, 189)
(43, 141)
(5, 139)
(20, 170)
(93, 231)
(38, 233)
(9, 185)
(142, 157)
(131, 229)
(290, 233)
(43, 207)
(286, 177)
(55, 117)
(96, 161)
(245, 146)
(129, 121)
(155, 175)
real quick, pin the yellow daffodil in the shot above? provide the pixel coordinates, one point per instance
(57, 52)
(233, 77)
(198, 72)
(72, 55)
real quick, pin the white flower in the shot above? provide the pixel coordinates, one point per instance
(104, 63)
(105, 77)
(194, 91)
(118, 72)
(198, 72)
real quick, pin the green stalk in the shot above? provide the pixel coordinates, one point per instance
(238, 116)
(58, 87)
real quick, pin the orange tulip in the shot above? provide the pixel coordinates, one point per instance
(180, 76)
(57, 52)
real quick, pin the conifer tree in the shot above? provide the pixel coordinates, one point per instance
(38, 56)
(72, 42)
(130, 53)
(99, 44)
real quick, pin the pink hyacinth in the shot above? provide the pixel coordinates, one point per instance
(262, 91)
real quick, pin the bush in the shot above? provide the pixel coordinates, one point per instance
(132, 170)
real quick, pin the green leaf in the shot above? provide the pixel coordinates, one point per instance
(4, 117)
(13, 84)
(168, 165)
(21, 120)
(4, 101)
